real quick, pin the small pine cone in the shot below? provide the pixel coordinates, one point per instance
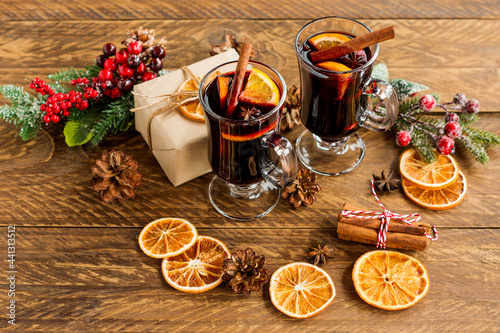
(291, 109)
(147, 39)
(303, 189)
(244, 272)
(116, 176)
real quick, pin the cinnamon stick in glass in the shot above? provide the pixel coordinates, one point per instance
(354, 44)
(238, 79)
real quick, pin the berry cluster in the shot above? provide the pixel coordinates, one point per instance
(446, 135)
(59, 104)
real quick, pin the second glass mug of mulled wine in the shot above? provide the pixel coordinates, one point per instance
(339, 96)
(247, 154)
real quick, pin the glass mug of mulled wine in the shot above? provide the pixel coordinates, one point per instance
(339, 96)
(249, 157)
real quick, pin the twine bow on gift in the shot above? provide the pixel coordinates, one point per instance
(187, 96)
(386, 216)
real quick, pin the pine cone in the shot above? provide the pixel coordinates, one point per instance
(245, 271)
(230, 42)
(302, 190)
(115, 176)
(147, 38)
(291, 109)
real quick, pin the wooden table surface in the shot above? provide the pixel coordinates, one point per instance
(79, 267)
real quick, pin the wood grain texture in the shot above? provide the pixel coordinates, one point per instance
(433, 52)
(58, 192)
(99, 280)
(38, 10)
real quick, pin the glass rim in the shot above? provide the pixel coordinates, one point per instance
(206, 108)
(322, 70)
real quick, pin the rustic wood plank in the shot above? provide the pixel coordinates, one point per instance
(433, 52)
(57, 192)
(99, 279)
(35, 10)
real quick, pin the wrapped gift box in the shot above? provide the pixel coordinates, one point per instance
(179, 144)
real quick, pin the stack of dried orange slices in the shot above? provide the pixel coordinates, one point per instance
(191, 263)
(437, 186)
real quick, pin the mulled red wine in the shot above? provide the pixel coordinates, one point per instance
(235, 152)
(330, 100)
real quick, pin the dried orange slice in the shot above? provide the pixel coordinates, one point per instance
(326, 40)
(334, 66)
(251, 136)
(167, 237)
(432, 176)
(192, 110)
(390, 280)
(441, 199)
(199, 269)
(301, 290)
(260, 90)
(223, 83)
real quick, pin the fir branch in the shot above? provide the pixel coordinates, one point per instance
(467, 118)
(481, 137)
(112, 118)
(475, 149)
(23, 111)
(67, 74)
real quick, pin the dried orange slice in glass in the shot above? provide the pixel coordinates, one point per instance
(192, 110)
(260, 90)
(441, 199)
(326, 40)
(432, 176)
(390, 280)
(167, 237)
(301, 290)
(334, 66)
(199, 269)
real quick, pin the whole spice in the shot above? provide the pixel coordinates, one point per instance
(230, 42)
(388, 183)
(116, 176)
(244, 272)
(319, 254)
(302, 191)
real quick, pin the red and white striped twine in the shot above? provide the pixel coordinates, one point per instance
(386, 215)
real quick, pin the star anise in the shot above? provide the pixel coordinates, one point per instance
(356, 59)
(320, 254)
(388, 183)
(230, 42)
(248, 113)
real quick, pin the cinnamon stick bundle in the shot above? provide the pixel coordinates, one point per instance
(400, 235)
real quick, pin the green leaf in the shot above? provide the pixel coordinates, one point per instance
(406, 88)
(77, 133)
(380, 72)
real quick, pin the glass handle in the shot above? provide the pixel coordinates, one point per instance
(382, 108)
(286, 172)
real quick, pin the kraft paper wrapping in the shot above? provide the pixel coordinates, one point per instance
(179, 144)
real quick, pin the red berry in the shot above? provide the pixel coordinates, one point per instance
(148, 76)
(66, 113)
(451, 117)
(158, 52)
(110, 64)
(125, 71)
(472, 106)
(109, 49)
(125, 85)
(36, 80)
(115, 93)
(427, 103)
(46, 118)
(68, 105)
(85, 80)
(59, 96)
(133, 61)
(140, 69)
(453, 130)
(121, 57)
(55, 118)
(86, 95)
(156, 64)
(42, 84)
(134, 47)
(445, 145)
(93, 93)
(32, 85)
(459, 99)
(105, 75)
(100, 60)
(403, 138)
(79, 80)
(84, 105)
(42, 107)
(66, 96)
